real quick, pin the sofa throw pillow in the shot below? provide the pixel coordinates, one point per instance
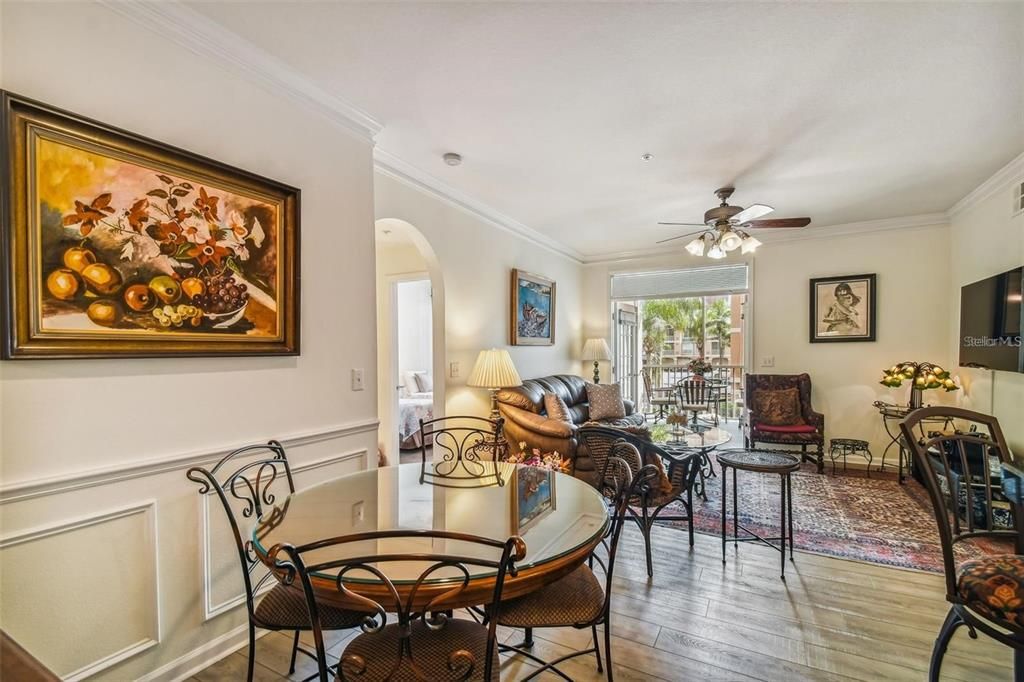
(778, 408)
(556, 407)
(605, 401)
(425, 382)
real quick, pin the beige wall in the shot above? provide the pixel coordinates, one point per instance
(101, 538)
(986, 239)
(475, 258)
(912, 315)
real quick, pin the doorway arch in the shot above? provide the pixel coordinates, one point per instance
(396, 230)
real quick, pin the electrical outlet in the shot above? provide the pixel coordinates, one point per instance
(357, 380)
(453, 370)
(768, 361)
(358, 513)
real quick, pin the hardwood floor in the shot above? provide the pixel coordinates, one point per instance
(699, 620)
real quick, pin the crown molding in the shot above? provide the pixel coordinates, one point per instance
(393, 167)
(924, 220)
(1009, 173)
(203, 36)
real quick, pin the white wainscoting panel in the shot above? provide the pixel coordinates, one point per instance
(103, 569)
(223, 589)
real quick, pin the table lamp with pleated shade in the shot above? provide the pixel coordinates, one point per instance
(493, 370)
(596, 350)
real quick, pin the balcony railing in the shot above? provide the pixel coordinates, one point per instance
(664, 376)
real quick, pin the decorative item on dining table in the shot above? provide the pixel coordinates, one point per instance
(596, 350)
(698, 367)
(534, 485)
(543, 460)
(922, 375)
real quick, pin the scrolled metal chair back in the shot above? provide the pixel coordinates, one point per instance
(246, 475)
(469, 449)
(957, 469)
(291, 563)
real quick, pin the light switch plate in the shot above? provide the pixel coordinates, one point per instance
(357, 380)
(453, 370)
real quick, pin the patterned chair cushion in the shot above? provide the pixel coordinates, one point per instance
(605, 401)
(778, 408)
(577, 598)
(284, 608)
(556, 407)
(993, 586)
(431, 650)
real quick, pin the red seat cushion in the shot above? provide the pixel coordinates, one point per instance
(794, 428)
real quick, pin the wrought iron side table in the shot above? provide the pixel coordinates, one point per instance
(844, 447)
(892, 415)
(768, 462)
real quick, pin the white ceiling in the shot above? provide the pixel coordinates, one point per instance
(841, 112)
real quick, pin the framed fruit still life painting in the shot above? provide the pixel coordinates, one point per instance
(114, 245)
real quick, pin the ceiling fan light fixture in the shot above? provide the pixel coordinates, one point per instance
(716, 251)
(696, 247)
(749, 245)
(730, 241)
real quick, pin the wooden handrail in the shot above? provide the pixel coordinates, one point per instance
(18, 664)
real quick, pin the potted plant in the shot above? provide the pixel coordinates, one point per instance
(698, 367)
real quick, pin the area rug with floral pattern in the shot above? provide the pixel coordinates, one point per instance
(846, 515)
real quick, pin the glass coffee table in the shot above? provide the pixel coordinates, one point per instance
(677, 437)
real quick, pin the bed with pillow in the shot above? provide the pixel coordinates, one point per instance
(415, 402)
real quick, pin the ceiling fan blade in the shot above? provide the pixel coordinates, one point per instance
(778, 222)
(752, 212)
(682, 236)
(686, 224)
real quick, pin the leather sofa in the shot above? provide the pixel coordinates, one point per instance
(522, 408)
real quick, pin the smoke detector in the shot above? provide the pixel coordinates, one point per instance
(452, 159)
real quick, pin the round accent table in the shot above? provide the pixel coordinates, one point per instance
(766, 462)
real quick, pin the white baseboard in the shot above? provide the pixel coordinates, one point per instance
(202, 657)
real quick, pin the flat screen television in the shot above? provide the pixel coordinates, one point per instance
(990, 322)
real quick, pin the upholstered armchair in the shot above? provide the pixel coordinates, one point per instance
(778, 412)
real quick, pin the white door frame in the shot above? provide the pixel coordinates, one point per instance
(389, 415)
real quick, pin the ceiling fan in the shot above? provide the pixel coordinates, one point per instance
(725, 227)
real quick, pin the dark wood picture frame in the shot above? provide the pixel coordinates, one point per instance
(841, 317)
(515, 338)
(521, 522)
(26, 295)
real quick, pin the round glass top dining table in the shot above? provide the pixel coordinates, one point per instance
(560, 518)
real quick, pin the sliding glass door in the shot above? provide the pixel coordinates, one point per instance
(666, 320)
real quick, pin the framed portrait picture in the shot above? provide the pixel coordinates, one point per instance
(534, 496)
(532, 310)
(114, 245)
(842, 308)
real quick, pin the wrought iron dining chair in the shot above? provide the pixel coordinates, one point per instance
(470, 450)
(674, 485)
(424, 642)
(578, 600)
(247, 476)
(958, 470)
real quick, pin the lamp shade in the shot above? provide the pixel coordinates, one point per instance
(494, 369)
(596, 349)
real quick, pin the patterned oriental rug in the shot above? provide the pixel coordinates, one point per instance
(847, 515)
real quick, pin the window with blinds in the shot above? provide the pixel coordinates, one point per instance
(709, 281)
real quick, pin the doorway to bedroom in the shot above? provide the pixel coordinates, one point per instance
(410, 341)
